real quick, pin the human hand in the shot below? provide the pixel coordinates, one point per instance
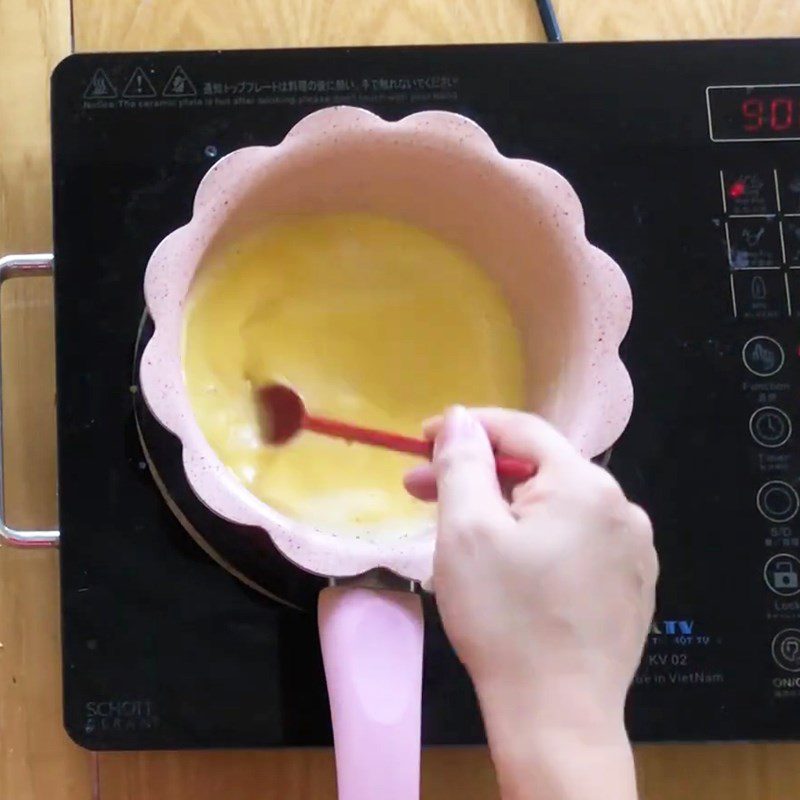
(546, 596)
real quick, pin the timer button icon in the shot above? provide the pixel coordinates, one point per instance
(786, 649)
(770, 426)
(763, 356)
(778, 502)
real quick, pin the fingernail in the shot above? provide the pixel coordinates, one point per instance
(458, 425)
(431, 425)
(419, 473)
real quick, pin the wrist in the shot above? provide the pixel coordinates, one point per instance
(558, 742)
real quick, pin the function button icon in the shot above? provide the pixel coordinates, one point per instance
(763, 356)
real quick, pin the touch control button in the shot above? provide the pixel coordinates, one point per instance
(754, 243)
(759, 295)
(778, 501)
(782, 574)
(789, 181)
(793, 279)
(786, 649)
(791, 238)
(763, 356)
(750, 192)
(770, 427)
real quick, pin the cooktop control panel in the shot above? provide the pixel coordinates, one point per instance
(686, 156)
(760, 204)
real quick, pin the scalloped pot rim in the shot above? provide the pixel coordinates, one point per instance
(606, 390)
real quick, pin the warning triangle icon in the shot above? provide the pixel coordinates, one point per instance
(139, 86)
(179, 85)
(100, 87)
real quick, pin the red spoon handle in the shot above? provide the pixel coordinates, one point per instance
(512, 468)
(515, 469)
(355, 433)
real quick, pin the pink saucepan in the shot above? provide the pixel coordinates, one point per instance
(524, 224)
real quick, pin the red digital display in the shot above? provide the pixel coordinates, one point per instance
(743, 113)
(774, 114)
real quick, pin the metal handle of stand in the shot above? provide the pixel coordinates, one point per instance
(21, 266)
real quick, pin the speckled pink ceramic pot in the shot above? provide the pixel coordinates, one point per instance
(519, 219)
(524, 224)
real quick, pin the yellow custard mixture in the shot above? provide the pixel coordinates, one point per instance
(372, 321)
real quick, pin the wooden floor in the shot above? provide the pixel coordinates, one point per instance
(37, 761)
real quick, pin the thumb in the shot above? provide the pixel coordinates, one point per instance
(466, 476)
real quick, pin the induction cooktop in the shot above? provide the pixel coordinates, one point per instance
(687, 159)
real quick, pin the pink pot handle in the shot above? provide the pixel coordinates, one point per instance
(372, 649)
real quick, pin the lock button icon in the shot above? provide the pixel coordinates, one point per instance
(785, 575)
(782, 574)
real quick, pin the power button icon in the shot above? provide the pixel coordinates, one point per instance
(786, 649)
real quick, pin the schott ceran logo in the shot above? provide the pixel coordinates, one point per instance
(120, 716)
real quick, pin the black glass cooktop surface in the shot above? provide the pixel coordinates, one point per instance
(687, 159)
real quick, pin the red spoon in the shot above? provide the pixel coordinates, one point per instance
(285, 415)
